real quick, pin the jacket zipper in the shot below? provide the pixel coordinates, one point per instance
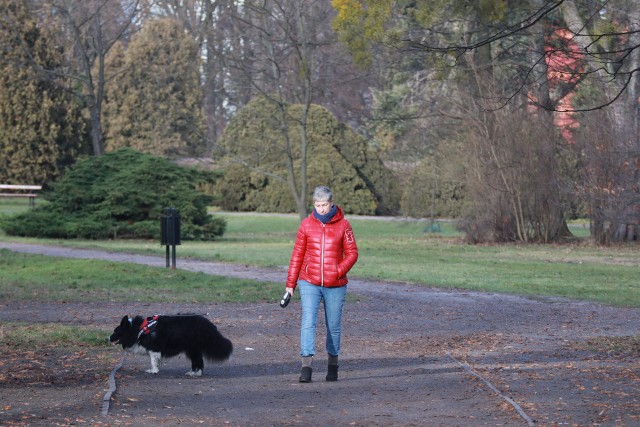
(322, 257)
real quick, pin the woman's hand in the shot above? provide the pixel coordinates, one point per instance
(290, 290)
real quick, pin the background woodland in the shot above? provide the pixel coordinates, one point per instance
(512, 116)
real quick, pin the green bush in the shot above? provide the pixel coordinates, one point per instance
(120, 195)
(256, 151)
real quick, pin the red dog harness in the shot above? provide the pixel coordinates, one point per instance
(148, 325)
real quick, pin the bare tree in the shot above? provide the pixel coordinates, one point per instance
(563, 56)
(87, 29)
(605, 43)
(276, 60)
(227, 32)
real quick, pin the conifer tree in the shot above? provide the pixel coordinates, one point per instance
(155, 103)
(41, 126)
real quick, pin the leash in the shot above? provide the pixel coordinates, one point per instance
(269, 304)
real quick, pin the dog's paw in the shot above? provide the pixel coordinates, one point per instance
(152, 371)
(196, 373)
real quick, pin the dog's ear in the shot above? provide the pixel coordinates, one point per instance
(125, 321)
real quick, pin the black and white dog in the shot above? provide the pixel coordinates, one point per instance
(168, 336)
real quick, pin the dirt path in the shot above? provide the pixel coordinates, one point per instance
(411, 356)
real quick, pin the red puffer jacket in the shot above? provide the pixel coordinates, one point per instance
(323, 253)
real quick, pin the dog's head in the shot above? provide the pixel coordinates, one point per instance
(124, 334)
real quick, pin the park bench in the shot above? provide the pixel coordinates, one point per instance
(11, 190)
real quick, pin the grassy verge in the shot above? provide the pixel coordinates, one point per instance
(50, 354)
(35, 277)
(399, 250)
(15, 205)
(29, 336)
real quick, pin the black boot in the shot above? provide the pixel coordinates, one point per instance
(332, 373)
(305, 374)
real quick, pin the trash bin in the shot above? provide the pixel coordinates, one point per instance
(170, 227)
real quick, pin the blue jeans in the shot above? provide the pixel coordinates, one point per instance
(333, 299)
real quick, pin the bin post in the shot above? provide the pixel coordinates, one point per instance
(170, 233)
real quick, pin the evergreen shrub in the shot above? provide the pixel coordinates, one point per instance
(257, 151)
(120, 194)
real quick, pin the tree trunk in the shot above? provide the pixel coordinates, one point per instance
(305, 65)
(96, 132)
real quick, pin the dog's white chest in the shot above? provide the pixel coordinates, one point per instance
(137, 349)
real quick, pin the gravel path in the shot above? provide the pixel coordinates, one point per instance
(412, 355)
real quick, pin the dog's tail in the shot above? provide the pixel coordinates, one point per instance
(217, 348)
(220, 351)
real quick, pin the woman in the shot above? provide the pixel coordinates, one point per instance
(324, 252)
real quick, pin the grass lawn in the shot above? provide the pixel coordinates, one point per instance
(42, 278)
(404, 250)
(33, 337)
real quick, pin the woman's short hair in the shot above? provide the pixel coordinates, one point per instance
(322, 194)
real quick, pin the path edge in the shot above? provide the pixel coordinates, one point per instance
(493, 388)
(106, 400)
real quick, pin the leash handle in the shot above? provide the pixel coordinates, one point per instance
(286, 298)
